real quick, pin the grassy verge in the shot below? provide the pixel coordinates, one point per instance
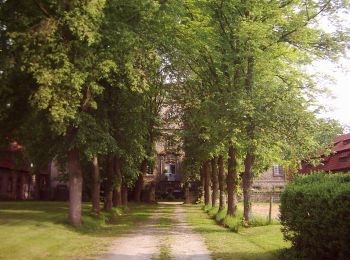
(263, 242)
(39, 230)
(234, 223)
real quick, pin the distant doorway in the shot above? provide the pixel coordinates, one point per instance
(170, 168)
(170, 171)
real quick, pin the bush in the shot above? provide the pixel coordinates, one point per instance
(207, 208)
(234, 223)
(213, 211)
(220, 216)
(315, 214)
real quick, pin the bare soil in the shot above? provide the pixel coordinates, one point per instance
(173, 240)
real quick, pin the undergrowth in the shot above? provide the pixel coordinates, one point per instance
(236, 222)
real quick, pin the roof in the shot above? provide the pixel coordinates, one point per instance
(342, 138)
(10, 154)
(339, 160)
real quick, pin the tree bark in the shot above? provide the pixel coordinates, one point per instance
(95, 186)
(202, 183)
(139, 183)
(215, 181)
(221, 179)
(187, 193)
(247, 180)
(109, 185)
(124, 195)
(207, 182)
(75, 187)
(232, 182)
(117, 194)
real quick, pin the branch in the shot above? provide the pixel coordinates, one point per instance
(42, 8)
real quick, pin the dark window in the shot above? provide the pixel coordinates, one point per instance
(149, 170)
(172, 168)
(343, 159)
(277, 170)
(346, 142)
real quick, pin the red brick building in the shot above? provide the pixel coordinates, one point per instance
(337, 161)
(16, 180)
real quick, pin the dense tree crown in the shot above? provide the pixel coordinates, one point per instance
(84, 82)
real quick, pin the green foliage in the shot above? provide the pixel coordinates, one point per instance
(315, 213)
(236, 223)
(220, 216)
(250, 243)
(213, 212)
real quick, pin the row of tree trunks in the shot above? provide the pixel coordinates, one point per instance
(247, 181)
(124, 195)
(215, 181)
(95, 186)
(202, 182)
(140, 182)
(206, 169)
(212, 171)
(114, 197)
(232, 182)
(108, 204)
(187, 193)
(221, 179)
(117, 193)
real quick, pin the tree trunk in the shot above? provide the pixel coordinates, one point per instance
(117, 195)
(207, 182)
(247, 180)
(232, 182)
(75, 187)
(221, 179)
(202, 183)
(187, 193)
(215, 181)
(139, 183)
(95, 186)
(109, 185)
(124, 195)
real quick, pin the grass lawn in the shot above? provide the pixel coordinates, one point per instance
(39, 230)
(250, 243)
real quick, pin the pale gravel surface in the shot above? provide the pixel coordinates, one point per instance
(144, 243)
(141, 244)
(185, 243)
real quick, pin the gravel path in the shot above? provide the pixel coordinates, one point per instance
(179, 239)
(141, 244)
(185, 244)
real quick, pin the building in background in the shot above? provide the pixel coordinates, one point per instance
(18, 182)
(272, 179)
(337, 161)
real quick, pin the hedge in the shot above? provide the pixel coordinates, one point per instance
(315, 214)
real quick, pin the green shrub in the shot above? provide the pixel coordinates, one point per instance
(213, 211)
(315, 214)
(206, 208)
(234, 223)
(220, 216)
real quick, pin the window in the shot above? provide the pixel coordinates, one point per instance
(149, 170)
(345, 142)
(343, 159)
(277, 170)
